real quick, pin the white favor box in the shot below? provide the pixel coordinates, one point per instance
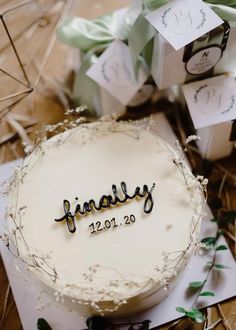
(107, 104)
(215, 141)
(214, 53)
(103, 102)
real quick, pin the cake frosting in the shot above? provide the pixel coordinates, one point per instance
(105, 216)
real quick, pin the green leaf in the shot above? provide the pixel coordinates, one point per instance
(196, 285)
(42, 324)
(195, 315)
(96, 323)
(209, 241)
(220, 266)
(221, 248)
(181, 310)
(207, 294)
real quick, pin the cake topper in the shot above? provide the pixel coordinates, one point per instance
(105, 202)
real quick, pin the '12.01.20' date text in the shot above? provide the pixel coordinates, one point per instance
(111, 224)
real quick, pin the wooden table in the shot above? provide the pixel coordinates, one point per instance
(41, 97)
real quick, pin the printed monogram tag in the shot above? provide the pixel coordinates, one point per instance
(114, 72)
(181, 22)
(211, 101)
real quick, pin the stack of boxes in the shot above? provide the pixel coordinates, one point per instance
(211, 53)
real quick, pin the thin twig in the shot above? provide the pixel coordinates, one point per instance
(228, 233)
(223, 169)
(222, 185)
(208, 322)
(227, 198)
(213, 325)
(5, 303)
(3, 154)
(224, 320)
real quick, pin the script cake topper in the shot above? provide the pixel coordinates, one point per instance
(105, 202)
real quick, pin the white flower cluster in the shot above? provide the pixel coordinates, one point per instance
(27, 147)
(77, 110)
(191, 138)
(203, 181)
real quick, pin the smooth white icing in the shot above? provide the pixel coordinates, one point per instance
(129, 265)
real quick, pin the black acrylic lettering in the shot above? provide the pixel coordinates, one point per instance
(105, 202)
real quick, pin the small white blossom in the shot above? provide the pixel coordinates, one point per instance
(191, 138)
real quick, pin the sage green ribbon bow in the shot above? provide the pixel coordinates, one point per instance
(92, 37)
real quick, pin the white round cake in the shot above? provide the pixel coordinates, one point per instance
(105, 216)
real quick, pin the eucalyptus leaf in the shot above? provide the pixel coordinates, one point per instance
(220, 266)
(221, 248)
(207, 294)
(42, 324)
(209, 241)
(196, 285)
(196, 315)
(181, 310)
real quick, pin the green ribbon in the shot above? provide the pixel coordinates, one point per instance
(92, 37)
(85, 89)
(88, 35)
(140, 35)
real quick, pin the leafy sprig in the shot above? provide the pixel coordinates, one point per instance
(198, 286)
(194, 314)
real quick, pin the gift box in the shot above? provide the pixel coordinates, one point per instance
(93, 38)
(212, 106)
(215, 141)
(211, 54)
